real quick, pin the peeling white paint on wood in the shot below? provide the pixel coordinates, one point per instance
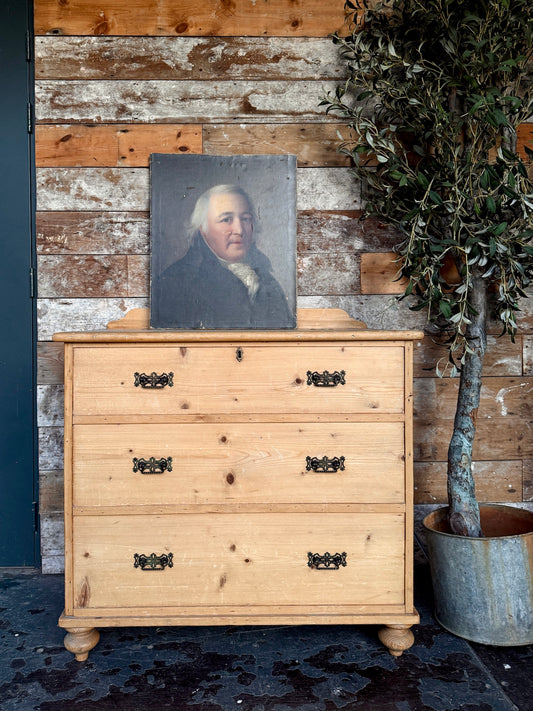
(51, 448)
(92, 233)
(52, 564)
(503, 392)
(52, 535)
(50, 402)
(128, 189)
(343, 232)
(180, 101)
(93, 189)
(88, 275)
(328, 274)
(56, 315)
(327, 189)
(177, 58)
(377, 311)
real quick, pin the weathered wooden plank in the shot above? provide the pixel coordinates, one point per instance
(93, 189)
(52, 564)
(314, 18)
(49, 405)
(328, 273)
(528, 355)
(342, 232)
(379, 274)
(190, 58)
(503, 423)
(180, 101)
(378, 311)
(52, 536)
(128, 189)
(49, 363)
(93, 232)
(524, 318)
(130, 145)
(73, 276)
(313, 144)
(496, 481)
(50, 448)
(503, 357)
(82, 314)
(50, 492)
(527, 480)
(327, 189)
(525, 138)
(127, 145)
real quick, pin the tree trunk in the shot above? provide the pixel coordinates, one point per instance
(463, 506)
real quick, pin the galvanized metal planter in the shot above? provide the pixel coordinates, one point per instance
(483, 587)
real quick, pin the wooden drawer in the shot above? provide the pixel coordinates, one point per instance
(197, 463)
(238, 559)
(277, 378)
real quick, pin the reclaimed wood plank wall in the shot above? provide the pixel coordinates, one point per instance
(121, 79)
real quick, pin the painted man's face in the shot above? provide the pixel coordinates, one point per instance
(230, 226)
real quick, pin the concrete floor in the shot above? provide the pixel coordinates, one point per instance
(247, 668)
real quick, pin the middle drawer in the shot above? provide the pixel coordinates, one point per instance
(194, 463)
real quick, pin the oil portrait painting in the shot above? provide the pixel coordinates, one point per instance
(223, 242)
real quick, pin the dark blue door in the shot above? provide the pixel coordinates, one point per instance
(18, 534)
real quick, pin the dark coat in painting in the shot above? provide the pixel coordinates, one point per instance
(197, 291)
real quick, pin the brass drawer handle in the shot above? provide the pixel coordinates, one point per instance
(326, 561)
(152, 465)
(325, 464)
(153, 561)
(153, 381)
(326, 379)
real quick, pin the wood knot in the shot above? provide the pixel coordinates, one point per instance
(102, 28)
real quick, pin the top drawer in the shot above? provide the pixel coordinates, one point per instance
(235, 379)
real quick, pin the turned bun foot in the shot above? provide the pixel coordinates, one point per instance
(80, 641)
(397, 638)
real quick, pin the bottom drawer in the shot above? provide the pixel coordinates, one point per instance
(238, 559)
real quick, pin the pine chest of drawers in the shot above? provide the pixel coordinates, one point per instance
(255, 477)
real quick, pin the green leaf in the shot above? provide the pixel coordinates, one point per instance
(445, 309)
(499, 229)
(484, 180)
(435, 197)
(423, 181)
(491, 205)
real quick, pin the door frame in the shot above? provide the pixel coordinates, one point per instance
(19, 530)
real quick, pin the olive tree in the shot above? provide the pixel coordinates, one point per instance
(434, 94)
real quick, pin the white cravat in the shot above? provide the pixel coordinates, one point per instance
(247, 275)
